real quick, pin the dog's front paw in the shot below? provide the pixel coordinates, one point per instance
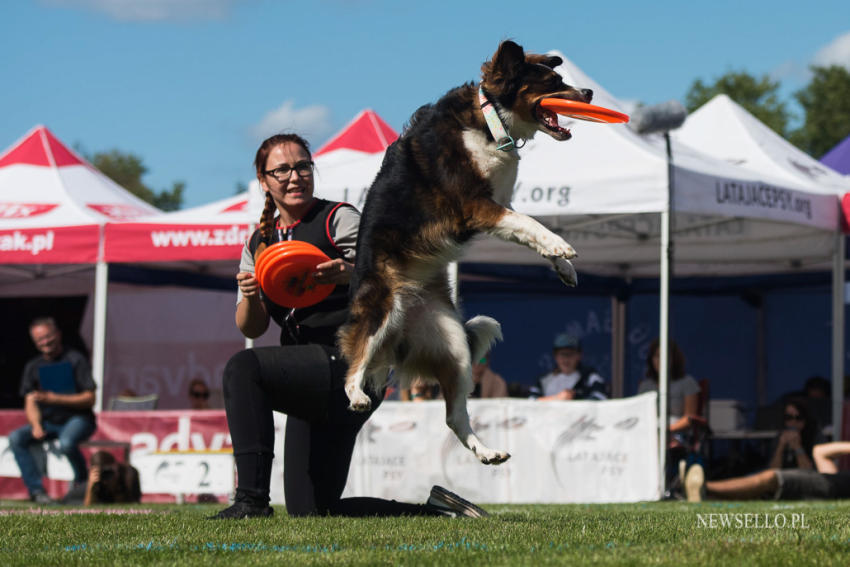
(557, 247)
(491, 457)
(565, 271)
(358, 400)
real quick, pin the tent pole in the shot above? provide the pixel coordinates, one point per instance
(101, 278)
(618, 341)
(838, 335)
(664, 318)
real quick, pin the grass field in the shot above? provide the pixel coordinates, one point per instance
(660, 533)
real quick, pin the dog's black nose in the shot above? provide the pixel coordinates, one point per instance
(588, 94)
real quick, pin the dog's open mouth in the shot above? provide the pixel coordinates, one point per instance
(549, 120)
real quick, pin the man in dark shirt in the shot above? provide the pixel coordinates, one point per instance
(58, 392)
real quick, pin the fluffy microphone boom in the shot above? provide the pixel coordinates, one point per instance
(661, 117)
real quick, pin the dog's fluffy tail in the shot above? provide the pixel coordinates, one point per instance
(481, 333)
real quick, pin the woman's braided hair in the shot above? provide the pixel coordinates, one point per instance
(267, 217)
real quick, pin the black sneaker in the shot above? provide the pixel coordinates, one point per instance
(450, 504)
(76, 494)
(241, 510)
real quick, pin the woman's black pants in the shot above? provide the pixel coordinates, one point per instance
(306, 383)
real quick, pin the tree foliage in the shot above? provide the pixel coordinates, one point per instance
(826, 102)
(127, 170)
(758, 96)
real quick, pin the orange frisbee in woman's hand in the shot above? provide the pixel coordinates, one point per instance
(583, 110)
(285, 273)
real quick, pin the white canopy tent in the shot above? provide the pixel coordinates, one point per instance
(725, 130)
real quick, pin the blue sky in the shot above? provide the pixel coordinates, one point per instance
(192, 86)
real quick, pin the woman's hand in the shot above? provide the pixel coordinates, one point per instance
(791, 438)
(248, 284)
(336, 271)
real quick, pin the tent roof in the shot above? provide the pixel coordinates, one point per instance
(44, 183)
(366, 133)
(52, 202)
(40, 147)
(725, 130)
(838, 158)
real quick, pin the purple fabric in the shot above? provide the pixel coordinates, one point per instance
(838, 158)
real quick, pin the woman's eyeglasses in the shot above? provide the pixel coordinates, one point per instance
(282, 173)
(200, 395)
(793, 417)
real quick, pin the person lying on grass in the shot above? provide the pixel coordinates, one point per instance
(111, 481)
(827, 482)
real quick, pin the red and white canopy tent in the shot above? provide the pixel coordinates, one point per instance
(53, 207)
(53, 203)
(367, 133)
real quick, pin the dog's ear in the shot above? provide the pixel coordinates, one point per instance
(508, 60)
(552, 61)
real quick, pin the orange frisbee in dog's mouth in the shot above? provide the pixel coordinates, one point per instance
(285, 273)
(583, 110)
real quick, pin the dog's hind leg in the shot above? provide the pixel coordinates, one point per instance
(457, 418)
(478, 331)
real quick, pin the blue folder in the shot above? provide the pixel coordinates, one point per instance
(58, 377)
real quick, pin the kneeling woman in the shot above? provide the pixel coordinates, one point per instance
(304, 377)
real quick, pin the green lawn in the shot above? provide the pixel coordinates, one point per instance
(663, 533)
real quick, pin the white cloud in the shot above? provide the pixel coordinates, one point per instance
(312, 122)
(792, 71)
(152, 10)
(837, 52)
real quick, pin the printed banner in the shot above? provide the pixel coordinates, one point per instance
(560, 451)
(61, 245)
(176, 452)
(147, 242)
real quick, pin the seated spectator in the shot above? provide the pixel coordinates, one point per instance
(571, 380)
(488, 384)
(817, 387)
(58, 392)
(199, 395)
(111, 481)
(682, 390)
(826, 482)
(792, 448)
(420, 390)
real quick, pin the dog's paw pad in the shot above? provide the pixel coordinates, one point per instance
(494, 457)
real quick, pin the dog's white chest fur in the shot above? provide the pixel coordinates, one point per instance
(497, 166)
